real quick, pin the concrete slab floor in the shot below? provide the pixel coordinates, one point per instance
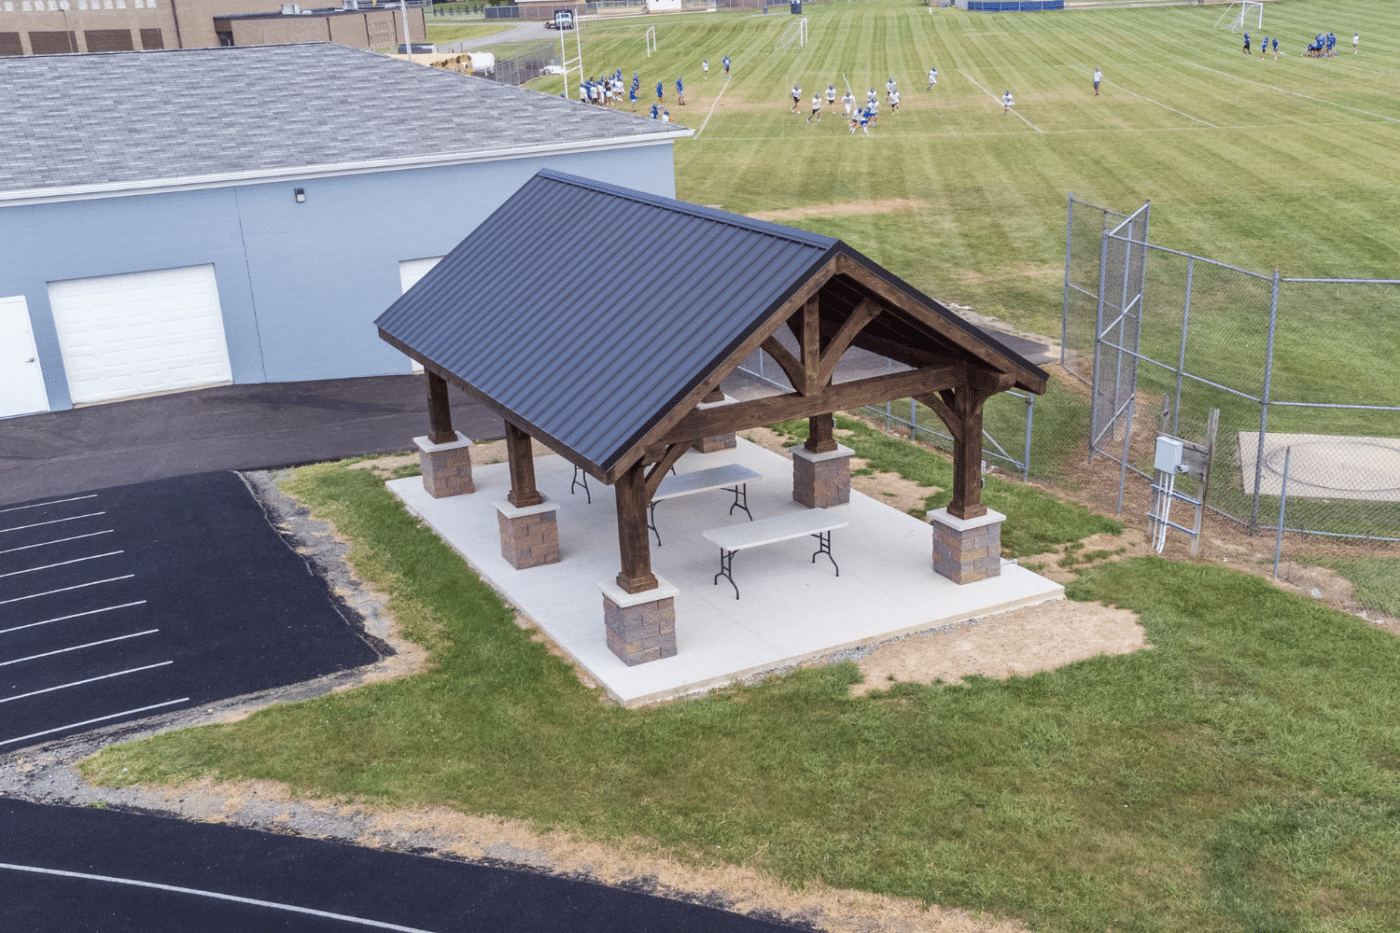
(792, 609)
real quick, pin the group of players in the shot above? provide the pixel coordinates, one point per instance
(1324, 45)
(608, 91)
(857, 118)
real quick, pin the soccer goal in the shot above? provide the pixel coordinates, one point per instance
(796, 34)
(651, 40)
(1239, 15)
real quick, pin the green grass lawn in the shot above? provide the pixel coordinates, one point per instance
(1284, 163)
(1242, 775)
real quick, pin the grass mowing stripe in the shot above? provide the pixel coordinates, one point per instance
(1157, 102)
(1330, 103)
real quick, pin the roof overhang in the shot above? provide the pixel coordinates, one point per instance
(26, 196)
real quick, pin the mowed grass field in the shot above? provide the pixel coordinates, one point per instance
(1260, 163)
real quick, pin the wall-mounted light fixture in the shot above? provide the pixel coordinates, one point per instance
(300, 195)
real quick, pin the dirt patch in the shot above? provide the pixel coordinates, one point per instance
(1020, 642)
(845, 209)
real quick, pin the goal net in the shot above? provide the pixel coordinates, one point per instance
(796, 34)
(1248, 14)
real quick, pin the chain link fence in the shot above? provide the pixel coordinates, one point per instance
(1301, 371)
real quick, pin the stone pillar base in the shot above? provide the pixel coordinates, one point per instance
(641, 626)
(821, 480)
(447, 468)
(966, 551)
(529, 535)
(716, 442)
(708, 445)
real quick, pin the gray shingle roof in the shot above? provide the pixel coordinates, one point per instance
(139, 117)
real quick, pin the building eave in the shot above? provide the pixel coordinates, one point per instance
(29, 196)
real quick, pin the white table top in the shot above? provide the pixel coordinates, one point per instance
(685, 484)
(777, 528)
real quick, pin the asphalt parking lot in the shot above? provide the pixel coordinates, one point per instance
(128, 601)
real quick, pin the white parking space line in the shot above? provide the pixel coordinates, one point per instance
(1151, 101)
(76, 615)
(998, 100)
(62, 563)
(91, 644)
(40, 505)
(79, 683)
(25, 547)
(174, 889)
(88, 722)
(65, 589)
(55, 521)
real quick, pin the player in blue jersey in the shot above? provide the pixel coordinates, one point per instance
(1264, 48)
(633, 95)
(726, 66)
(680, 91)
(1246, 43)
(661, 90)
(1275, 48)
(655, 112)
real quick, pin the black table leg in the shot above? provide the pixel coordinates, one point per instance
(824, 547)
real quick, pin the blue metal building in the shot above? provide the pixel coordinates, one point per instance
(185, 218)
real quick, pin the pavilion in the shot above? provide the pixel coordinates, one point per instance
(601, 321)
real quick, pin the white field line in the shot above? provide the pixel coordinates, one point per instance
(1151, 101)
(40, 505)
(174, 889)
(62, 563)
(713, 105)
(88, 722)
(25, 547)
(91, 644)
(71, 518)
(998, 100)
(1330, 103)
(76, 615)
(65, 589)
(90, 680)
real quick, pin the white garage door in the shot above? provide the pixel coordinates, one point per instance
(140, 333)
(410, 271)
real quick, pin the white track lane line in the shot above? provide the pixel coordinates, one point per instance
(714, 104)
(1271, 87)
(71, 518)
(62, 563)
(90, 680)
(76, 615)
(91, 644)
(1151, 101)
(216, 895)
(25, 547)
(999, 100)
(88, 722)
(39, 505)
(65, 589)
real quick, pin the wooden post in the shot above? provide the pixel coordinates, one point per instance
(967, 455)
(716, 395)
(439, 411)
(522, 469)
(632, 541)
(820, 436)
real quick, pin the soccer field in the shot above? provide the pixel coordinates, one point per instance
(1258, 162)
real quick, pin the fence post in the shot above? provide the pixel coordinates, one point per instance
(1264, 407)
(1282, 509)
(1069, 246)
(1181, 357)
(913, 422)
(1127, 438)
(1030, 421)
(1096, 387)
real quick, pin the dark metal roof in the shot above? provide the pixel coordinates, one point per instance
(587, 313)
